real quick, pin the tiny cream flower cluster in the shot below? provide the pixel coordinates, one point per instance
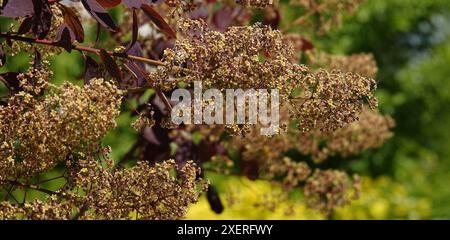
(242, 57)
(158, 192)
(256, 57)
(162, 191)
(266, 156)
(331, 100)
(370, 131)
(144, 120)
(324, 14)
(326, 190)
(35, 80)
(38, 132)
(362, 64)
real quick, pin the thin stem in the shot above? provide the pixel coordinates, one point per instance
(19, 184)
(8, 192)
(137, 89)
(48, 180)
(81, 48)
(165, 101)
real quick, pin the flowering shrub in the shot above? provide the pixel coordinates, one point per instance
(327, 109)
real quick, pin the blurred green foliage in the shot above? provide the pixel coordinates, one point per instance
(410, 40)
(408, 177)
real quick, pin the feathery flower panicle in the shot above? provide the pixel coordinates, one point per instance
(326, 190)
(362, 64)
(38, 132)
(331, 100)
(52, 209)
(324, 14)
(242, 57)
(163, 191)
(370, 131)
(35, 80)
(257, 57)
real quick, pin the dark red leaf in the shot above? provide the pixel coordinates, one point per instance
(150, 136)
(17, 8)
(100, 14)
(135, 31)
(214, 200)
(111, 65)
(37, 60)
(156, 147)
(26, 25)
(159, 46)
(137, 67)
(158, 20)
(65, 38)
(91, 70)
(72, 21)
(42, 18)
(10, 80)
(109, 3)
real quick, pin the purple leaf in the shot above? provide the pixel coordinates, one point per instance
(222, 19)
(200, 12)
(100, 14)
(42, 18)
(214, 200)
(157, 50)
(91, 70)
(109, 3)
(137, 67)
(150, 136)
(158, 20)
(111, 65)
(37, 60)
(74, 24)
(135, 30)
(17, 8)
(26, 25)
(10, 80)
(133, 3)
(65, 38)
